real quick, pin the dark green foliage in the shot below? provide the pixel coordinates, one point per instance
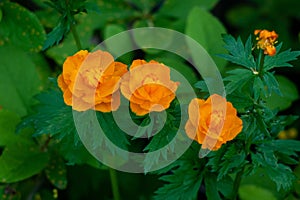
(238, 53)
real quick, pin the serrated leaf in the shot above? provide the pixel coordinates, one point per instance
(289, 94)
(57, 34)
(227, 160)
(235, 82)
(183, 183)
(238, 53)
(20, 27)
(21, 157)
(271, 84)
(282, 175)
(288, 147)
(206, 29)
(18, 80)
(52, 116)
(56, 172)
(280, 59)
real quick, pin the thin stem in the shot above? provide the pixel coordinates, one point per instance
(76, 37)
(114, 184)
(261, 62)
(236, 184)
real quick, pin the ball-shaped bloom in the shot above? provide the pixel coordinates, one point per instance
(91, 81)
(212, 122)
(148, 87)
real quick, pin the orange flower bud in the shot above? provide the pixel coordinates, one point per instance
(91, 81)
(148, 87)
(266, 41)
(212, 122)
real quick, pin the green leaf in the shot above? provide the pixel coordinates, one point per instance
(210, 181)
(254, 192)
(288, 147)
(282, 175)
(238, 53)
(235, 82)
(21, 157)
(225, 186)
(179, 9)
(271, 84)
(280, 59)
(227, 160)
(183, 182)
(52, 116)
(18, 80)
(20, 27)
(117, 45)
(57, 34)
(178, 64)
(289, 94)
(277, 172)
(206, 30)
(56, 172)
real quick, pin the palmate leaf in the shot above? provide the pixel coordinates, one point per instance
(236, 79)
(227, 160)
(184, 181)
(52, 116)
(281, 174)
(164, 138)
(280, 59)
(238, 53)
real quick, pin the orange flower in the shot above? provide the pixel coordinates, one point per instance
(148, 87)
(91, 81)
(212, 122)
(266, 41)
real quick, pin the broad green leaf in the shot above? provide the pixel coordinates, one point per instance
(20, 27)
(56, 172)
(19, 80)
(181, 9)
(178, 64)
(21, 157)
(8, 121)
(239, 53)
(254, 192)
(117, 45)
(289, 94)
(280, 59)
(152, 41)
(206, 30)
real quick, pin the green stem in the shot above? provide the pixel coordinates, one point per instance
(114, 184)
(76, 37)
(261, 62)
(236, 184)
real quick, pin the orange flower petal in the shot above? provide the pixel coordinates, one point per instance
(214, 126)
